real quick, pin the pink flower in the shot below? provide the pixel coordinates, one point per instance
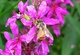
(56, 30)
(35, 38)
(14, 44)
(57, 11)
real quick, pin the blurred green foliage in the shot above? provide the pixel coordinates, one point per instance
(68, 43)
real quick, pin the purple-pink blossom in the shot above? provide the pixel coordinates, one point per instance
(36, 18)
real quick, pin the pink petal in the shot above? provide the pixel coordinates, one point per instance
(56, 30)
(62, 11)
(45, 48)
(50, 40)
(69, 1)
(49, 1)
(14, 28)
(26, 22)
(11, 44)
(1, 51)
(50, 21)
(10, 20)
(7, 35)
(34, 39)
(61, 19)
(42, 9)
(23, 38)
(31, 34)
(31, 11)
(71, 4)
(8, 43)
(18, 49)
(20, 6)
(25, 5)
(15, 15)
(50, 13)
(62, 0)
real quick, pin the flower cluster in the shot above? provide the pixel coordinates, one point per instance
(36, 18)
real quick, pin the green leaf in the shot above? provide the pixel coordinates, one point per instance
(75, 24)
(2, 42)
(51, 51)
(69, 41)
(77, 5)
(70, 32)
(8, 9)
